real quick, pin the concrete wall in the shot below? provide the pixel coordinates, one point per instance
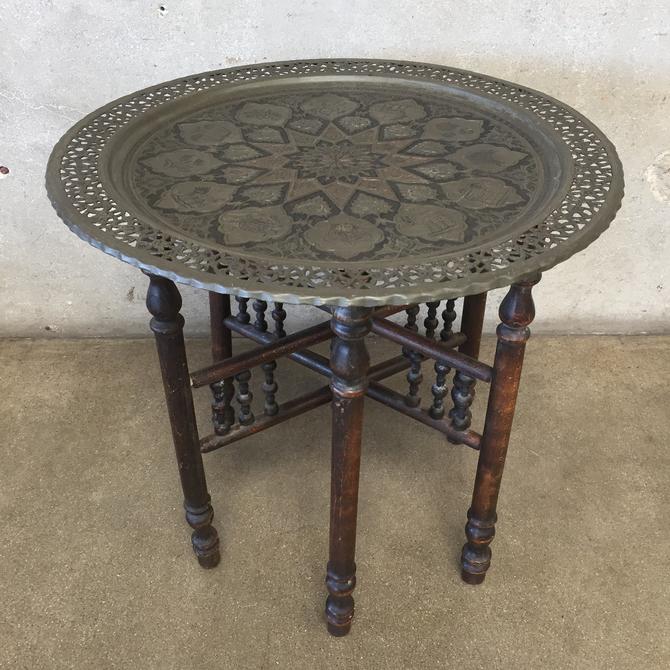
(60, 59)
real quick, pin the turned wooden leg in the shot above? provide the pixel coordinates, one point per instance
(516, 313)
(463, 390)
(223, 414)
(164, 303)
(349, 363)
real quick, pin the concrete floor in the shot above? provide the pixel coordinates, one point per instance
(96, 569)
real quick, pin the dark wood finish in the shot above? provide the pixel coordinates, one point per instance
(270, 352)
(396, 401)
(448, 318)
(412, 313)
(463, 389)
(223, 391)
(278, 316)
(270, 388)
(349, 363)
(244, 396)
(387, 368)
(285, 411)
(439, 390)
(297, 406)
(164, 303)
(462, 396)
(309, 359)
(259, 307)
(516, 313)
(472, 319)
(430, 323)
(414, 376)
(243, 309)
(430, 349)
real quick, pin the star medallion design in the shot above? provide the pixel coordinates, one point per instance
(342, 161)
(331, 176)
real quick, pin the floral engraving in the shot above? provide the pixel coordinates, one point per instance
(435, 170)
(487, 157)
(262, 194)
(240, 152)
(182, 162)
(481, 192)
(240, 174)
(313, 206)
(259, 114)
(397, 111)
(353, 124)
(335, 176)
(329, 106)
(344, 236)
(431, 223)
(196, 196)
(453, 129)
(366, 205)
(209, 133)
(266, 135)
(251, 225)
(416, 192)
(429, 148)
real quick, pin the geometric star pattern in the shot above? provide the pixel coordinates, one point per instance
(328, 177)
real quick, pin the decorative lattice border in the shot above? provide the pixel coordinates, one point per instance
(80, 198)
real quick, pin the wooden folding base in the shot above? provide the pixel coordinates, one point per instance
(351, 378)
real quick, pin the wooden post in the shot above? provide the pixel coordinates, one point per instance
(516, 313)
(349, 362)
(164, 303)
(223, 414)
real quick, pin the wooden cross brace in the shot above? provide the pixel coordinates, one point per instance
(295, 347)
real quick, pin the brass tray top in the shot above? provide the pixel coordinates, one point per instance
(337, 182)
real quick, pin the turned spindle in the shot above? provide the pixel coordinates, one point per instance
(259, 308)
(439, 390)
(279, 315)
(430, 323)
(462, 396)
(270, 388)
(414, 376)
(448, 318)
(516, 313)
(164, 303)
(244, 397)
(440, 387)
(242, 310)
(463, 388)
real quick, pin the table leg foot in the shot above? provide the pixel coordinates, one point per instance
(340, 602)
(476, 554)
(204, 538)
(472, 578)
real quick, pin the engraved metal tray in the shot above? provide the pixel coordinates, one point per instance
(337, 182)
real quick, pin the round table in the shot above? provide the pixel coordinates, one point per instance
(363, 188)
